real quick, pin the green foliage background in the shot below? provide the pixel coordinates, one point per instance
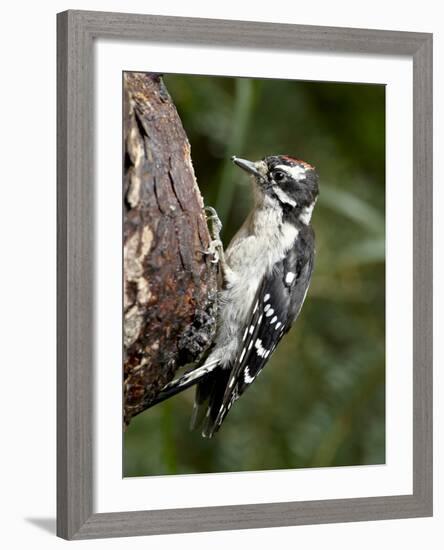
(321, 399)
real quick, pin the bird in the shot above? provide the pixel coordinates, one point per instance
(265, 275)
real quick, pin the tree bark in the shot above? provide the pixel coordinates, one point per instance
(169, 284)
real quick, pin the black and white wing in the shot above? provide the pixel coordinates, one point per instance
(277, 304)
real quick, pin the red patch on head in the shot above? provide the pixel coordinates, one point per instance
(292, 160)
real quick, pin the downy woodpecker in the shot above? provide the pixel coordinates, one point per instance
(266, 272)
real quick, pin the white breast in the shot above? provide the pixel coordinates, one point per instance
(263, 241)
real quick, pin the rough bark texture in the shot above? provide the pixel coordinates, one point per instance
(169, 285)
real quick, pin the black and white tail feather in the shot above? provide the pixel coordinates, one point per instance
(286, 192)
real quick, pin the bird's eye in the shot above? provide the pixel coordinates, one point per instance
(278, 175)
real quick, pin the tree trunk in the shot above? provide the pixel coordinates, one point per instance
(169, 284)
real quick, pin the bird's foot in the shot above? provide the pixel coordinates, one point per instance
(215, 250)
(216, 224)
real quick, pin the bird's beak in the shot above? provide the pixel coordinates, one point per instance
(248, 166)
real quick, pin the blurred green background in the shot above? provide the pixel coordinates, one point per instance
(321, 398)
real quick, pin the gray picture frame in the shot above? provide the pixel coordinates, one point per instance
(76, 33)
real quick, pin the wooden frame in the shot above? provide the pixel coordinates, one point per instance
(76, 32)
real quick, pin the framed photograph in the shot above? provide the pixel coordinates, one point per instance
(239, 199)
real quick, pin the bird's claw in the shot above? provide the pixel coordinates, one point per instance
(211, 210)
(216, 223)
(213, 250)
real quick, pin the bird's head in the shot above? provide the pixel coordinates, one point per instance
(291, 182)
